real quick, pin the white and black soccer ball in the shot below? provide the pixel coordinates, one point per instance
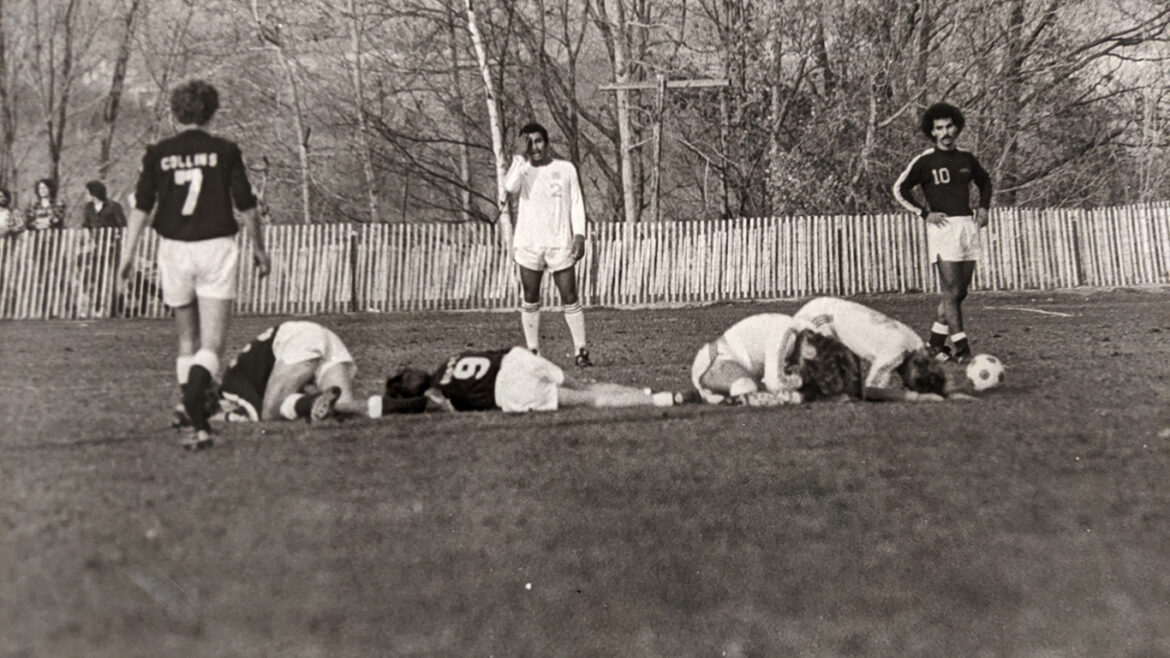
(985, 372)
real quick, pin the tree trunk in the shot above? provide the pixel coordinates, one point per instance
(494, 117)
(621, 76)
(271, 36)
(7, 112)
(360, 107)
(464, 154)
(56, 128)
(110, 114)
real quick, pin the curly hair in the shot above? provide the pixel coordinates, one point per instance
(194, 102)
(534, 127)
(828, 369)
(921, 373)
(941, 111)
(407, 383)
(49, 183)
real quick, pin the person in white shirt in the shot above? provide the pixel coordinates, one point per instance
(549, 234)
(751, 352)
(887, 345)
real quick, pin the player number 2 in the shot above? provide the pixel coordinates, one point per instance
(193, 179)
(471, 367)
(941, 176)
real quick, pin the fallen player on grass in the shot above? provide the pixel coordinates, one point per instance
(512, 380)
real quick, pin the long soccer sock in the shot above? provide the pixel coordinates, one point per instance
(575, 318)
(297, 405)
(938, 335)
(384, 405)
(183, 367)
(530, 322)
(208, 359)
(959, 340)
(195, 396)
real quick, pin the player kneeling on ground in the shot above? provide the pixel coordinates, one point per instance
(751, 353)
(900, 366)
(513, 380)
(297, 369)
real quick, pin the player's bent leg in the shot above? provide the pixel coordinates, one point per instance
(340, 376)
(286, 381)
(728, 378)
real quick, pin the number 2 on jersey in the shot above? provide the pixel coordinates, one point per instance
(471, 367)
(193, 179)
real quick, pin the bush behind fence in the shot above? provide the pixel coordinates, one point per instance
(329, 268)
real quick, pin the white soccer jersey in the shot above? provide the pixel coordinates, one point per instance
(551, 210)
(762, 344)
(879, 339)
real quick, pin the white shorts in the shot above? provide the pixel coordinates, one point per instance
(203, 268)
(708, 355)
(957, 240)
(552, 259)
(300, 341)
(527, 382)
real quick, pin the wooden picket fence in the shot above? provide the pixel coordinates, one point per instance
(331, 268)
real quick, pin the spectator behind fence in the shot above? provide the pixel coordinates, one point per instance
(100, 212)
(10, 222)
(100, 260)
(46, 211)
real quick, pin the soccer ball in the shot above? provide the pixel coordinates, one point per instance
(985, 372)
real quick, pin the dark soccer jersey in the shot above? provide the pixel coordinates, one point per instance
(945, 177)
(246, 378)
(194, 177)
(468, 380)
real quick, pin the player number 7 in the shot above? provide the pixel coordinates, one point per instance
(193, 179)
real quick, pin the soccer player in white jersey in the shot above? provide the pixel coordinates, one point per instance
(944, 173)
(549, 234)
(887, 345)
(753, 351)
(513, 380)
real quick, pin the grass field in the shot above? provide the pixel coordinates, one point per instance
(1033, 522)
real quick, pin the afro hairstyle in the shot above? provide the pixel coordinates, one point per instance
(941, 111)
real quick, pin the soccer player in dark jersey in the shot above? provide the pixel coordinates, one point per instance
(513, 380)
(192, 181)
(952, 230)
(297, 369)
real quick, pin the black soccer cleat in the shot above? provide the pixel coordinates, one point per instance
(962, 357)
(583, 360)
(941, 353)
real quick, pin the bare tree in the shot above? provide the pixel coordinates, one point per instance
(268, 30)
(117, 83)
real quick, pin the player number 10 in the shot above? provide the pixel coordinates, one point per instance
(193, 179)
(941, 176)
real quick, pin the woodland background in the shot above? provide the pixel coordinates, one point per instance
(375, 111)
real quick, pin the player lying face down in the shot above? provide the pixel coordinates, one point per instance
(295, 370)
(749, 358)
(511, 380)
(899, 365)
(830, 370)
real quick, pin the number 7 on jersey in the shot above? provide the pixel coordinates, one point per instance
(193, 179)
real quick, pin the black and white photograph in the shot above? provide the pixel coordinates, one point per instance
(584, 328)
